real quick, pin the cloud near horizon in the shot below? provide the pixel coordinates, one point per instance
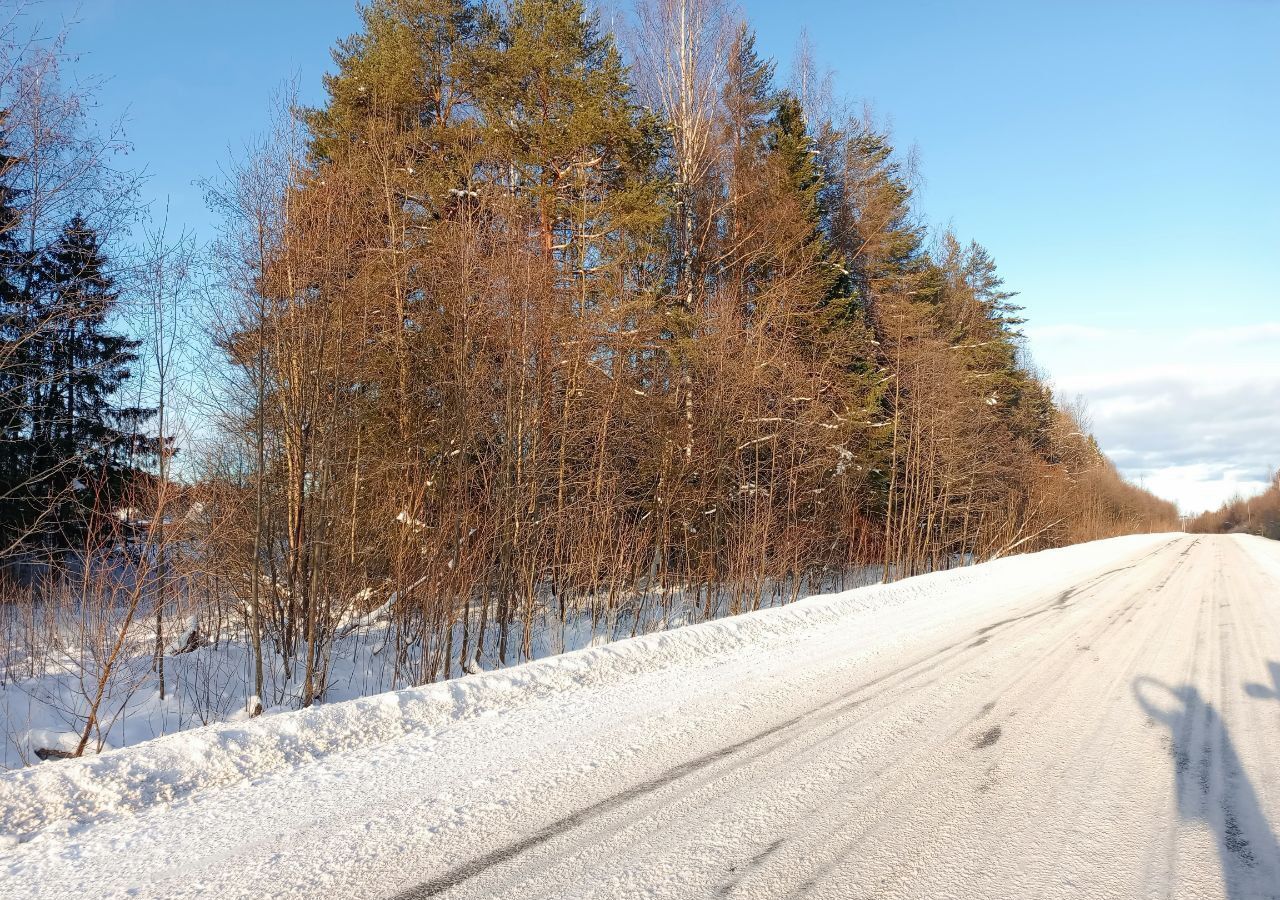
(1195, 417)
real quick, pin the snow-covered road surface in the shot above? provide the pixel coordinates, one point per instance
(1098, 721)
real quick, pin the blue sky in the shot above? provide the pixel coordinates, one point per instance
(1118, 158)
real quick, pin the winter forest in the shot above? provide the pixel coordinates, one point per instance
(546, 328)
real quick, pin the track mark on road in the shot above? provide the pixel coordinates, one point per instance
(988, 737)
(753, 863)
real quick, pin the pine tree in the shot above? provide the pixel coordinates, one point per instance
(749, 96)
(564, 130)
(401, 69)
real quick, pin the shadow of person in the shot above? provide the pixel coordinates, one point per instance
(1266, 692)
(1212, 786)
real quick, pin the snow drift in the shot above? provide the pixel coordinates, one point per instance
(172, 767)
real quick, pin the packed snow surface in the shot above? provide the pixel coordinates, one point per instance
(1097, 721)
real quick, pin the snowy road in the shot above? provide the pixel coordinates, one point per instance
(1100, 721)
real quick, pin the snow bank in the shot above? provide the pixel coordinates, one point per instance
(168, 768)
(1264, 551)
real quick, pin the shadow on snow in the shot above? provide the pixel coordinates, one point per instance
(1211, 786)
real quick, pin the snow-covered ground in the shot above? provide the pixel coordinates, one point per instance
(43, 701)
(1096, 721)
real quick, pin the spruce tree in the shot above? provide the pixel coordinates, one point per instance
(749, 100)
(749, 97)
(791, 153)
(83, 443)
(872, 223)
(14, 328)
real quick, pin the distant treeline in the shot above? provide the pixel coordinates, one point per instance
(1253, 515)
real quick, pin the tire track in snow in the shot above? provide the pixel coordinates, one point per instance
(820, 715)
(857, 769)
(1019, 682)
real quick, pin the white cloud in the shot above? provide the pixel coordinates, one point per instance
(1193, 415)
(1235, 335)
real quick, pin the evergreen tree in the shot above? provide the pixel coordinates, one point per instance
(791, 155)
(400, 69)
(564, 130)
(979, 321)
(872, 222)
(14, 330)
(81, 443)
(792, 219)
(749, 100)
